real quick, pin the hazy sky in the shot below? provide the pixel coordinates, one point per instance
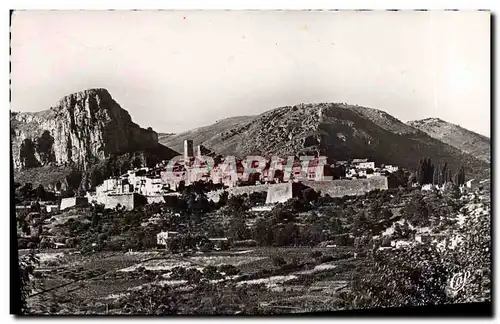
(175, 70)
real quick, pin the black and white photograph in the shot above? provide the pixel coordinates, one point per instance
(250, 162)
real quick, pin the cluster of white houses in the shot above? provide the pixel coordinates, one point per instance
(362, 168)
(155, 183)
(166, 178)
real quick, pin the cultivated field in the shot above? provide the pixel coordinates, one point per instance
(70, 278)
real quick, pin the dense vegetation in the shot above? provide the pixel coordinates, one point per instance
(411, 276)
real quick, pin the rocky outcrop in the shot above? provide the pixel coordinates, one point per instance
(82, 129)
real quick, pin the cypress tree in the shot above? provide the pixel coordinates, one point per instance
(421, 171)
(418, 171)
(444, 173)
(435, 176)
(460, 176)
(450, 176)
(430, 171)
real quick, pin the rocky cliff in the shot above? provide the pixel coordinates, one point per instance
(82, 129)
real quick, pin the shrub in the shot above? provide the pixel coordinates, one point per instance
(229, 269)
(211, 273)
(278, 261)
(316, 254)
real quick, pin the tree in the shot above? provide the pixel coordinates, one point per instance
(425, 171)
(449, 178)
(416, 211)
(435, 176)
(282, 214)
(210, 272)
(182, 186)
(309, 195)
(361, 222)
(262, 233)
(336, 226)
(397, 179)
(429, 172)
(125, 166)
(27, 154)
(375, 210)
(308, 235)
(68, 192)
(420, 174)
(24, 192)
(236, 205)
(136, 162)
(26, 267)
(238, 229)
(223, 198)
(229, 269)
(44, 147)
(73, 180)
(460, 181)
(174, 245)
(387, 213)
(40, 192)
(277, 261)
(443, 174)
(96, 177)
(96, 218)
(401, 279)
(412, 178)
(338, 172)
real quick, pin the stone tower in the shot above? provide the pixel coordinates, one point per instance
(188, 149)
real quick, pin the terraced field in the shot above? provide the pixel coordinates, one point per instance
(85, 282)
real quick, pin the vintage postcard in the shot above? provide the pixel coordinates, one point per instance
(249, 162)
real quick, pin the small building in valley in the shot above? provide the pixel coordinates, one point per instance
(220, 243)
(163, 237)
(472, 184)
(52, 208)
(73, 201)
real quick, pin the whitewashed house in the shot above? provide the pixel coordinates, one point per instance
(366, 165)
(472, 184)
(162, 237)
(391, 168)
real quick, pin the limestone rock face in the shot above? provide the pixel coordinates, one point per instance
(83, 128)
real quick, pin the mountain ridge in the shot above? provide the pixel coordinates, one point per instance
(459, 137)
(339, 130)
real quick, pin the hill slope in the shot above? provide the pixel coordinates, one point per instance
(202, 134)
(340, 131)
(456, 136)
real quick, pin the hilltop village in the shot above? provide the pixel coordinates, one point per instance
(169, 178)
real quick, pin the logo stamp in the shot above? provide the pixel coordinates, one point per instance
(458, 282)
